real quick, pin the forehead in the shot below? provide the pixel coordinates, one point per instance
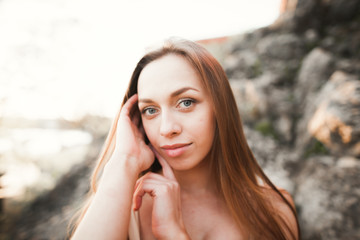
(167, 74)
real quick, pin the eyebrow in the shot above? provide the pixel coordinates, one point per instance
(172, 95)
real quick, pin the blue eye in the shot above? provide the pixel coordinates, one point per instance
(149, 111)
(186, 103)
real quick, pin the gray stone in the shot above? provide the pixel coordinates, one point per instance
(243, 64)
(280, 46)
(250, 99)
(284, 125)
(341, 10)
(315, 70)
(311, 36)
(328, 196)
(274, 160)
(261, 100)
(336, 121)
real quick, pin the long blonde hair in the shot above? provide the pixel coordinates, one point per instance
(232, 161)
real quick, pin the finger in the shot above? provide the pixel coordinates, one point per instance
(140, 191)
(137, 199)
(152, 187)
(149, 177)
(142, 132)
(167, 171)
(140, 180)
(152, 176)
(136, 118)
(126, 109)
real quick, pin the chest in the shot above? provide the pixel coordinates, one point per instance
(204, 220)
(210, 221)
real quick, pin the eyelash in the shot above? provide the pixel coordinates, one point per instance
(185, 100)
(192, 101)
(146, 109)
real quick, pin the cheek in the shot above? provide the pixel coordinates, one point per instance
(205, 127)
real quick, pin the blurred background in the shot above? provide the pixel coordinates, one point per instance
(294, 66)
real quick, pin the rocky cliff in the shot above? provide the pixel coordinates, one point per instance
(298, 81)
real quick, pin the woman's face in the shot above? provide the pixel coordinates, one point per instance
(176, 111)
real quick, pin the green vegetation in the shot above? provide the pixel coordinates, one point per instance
(266, 128)
(315, 148)
(256, 69)
(291, 97)
(311, 45)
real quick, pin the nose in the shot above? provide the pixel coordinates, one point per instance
(170, 126)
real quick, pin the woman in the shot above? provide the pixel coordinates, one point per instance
(179, 112)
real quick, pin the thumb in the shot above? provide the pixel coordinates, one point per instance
(167, 170)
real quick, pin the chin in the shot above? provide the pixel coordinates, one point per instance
(182, 165)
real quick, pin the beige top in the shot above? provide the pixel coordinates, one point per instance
(134, 226)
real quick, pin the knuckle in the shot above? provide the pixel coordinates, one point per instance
(138, 181)
(174, 185)
(150, 174)
(165, 189)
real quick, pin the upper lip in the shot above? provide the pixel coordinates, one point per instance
(174, 146)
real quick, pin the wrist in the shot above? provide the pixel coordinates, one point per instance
(123, 163)
(119, 169)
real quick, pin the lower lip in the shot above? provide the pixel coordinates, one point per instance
(176, 152)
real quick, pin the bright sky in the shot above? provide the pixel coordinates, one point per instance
(67, 58)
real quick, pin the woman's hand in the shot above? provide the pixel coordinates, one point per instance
(167, 222)
(109, 212)
(130, 144)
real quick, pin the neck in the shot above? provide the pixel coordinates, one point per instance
(197, 180)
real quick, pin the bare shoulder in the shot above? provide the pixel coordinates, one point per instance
(283, 209)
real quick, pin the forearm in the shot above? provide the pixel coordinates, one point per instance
(109, 213)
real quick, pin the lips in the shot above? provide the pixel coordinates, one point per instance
(175, 150)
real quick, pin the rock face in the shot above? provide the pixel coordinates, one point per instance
(328, 193)
(298, 82)
(336, 120)
(315, 71)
